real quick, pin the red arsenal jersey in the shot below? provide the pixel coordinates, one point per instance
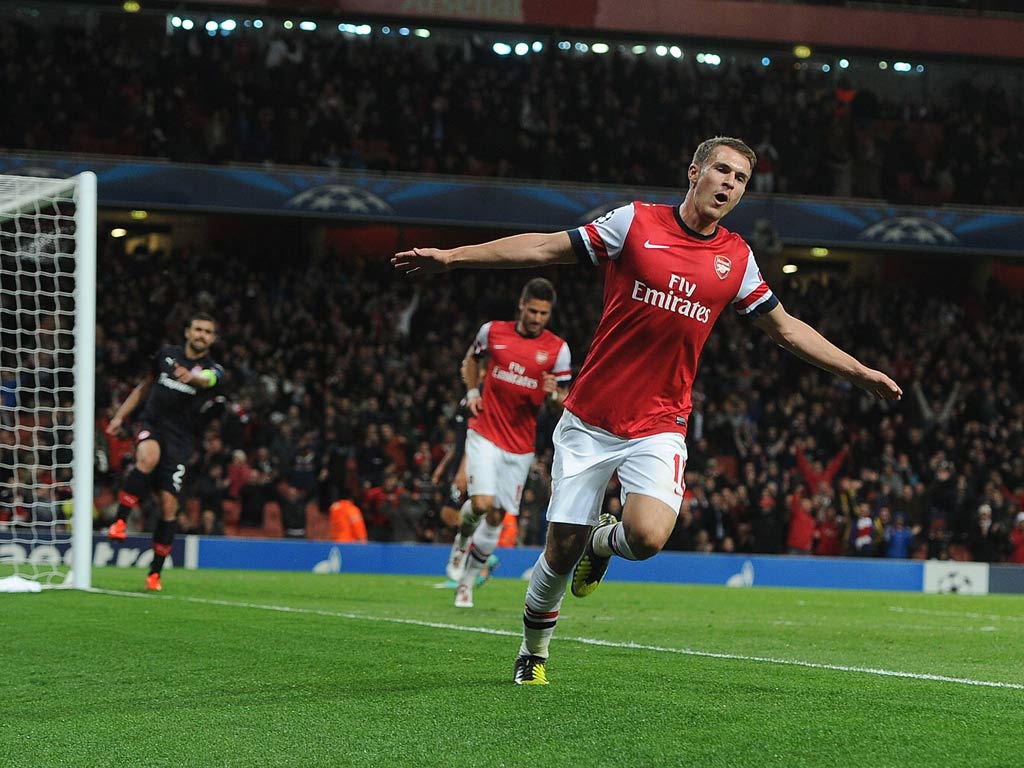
(514, 388)
(664, 287)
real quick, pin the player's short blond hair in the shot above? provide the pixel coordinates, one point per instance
(707, 148)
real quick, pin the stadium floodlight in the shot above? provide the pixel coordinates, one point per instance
(138, 214)
(176, 21)
(883, 65)
(424, 33)
(826, 68)
(187, 24)
(844, 63)
(502, 49)
(307, 26)
(790, 269)
(47, 338)
(364, 29)
(228, 25)
(676, 51)
(639, 50)
(257, 23)
(564, 45)
(131, 6)
(920, 67)
(522, 49)
(537, 46)
(582, 47)
(901, 66)
(117, 232)
(819, 252)
(385, 30)
(802, 51)
(766, 61)
(600, 48)
(403, 31)
(288, 24)
(212, 26)
(661, 50)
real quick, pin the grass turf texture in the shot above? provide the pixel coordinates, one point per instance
(108, 680)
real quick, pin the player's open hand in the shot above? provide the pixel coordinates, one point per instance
(878, 384)
(420, 262)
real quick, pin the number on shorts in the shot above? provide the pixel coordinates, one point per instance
(179, 476)
(680, 468)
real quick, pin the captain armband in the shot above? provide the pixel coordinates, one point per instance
(209, 376)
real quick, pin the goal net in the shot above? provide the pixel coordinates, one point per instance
(47, 351)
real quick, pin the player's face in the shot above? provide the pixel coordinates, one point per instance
(720, 183)
(199, 335)
(533, 316)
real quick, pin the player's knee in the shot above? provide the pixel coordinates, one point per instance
(644, 543)
(483, 506)
(495, 516)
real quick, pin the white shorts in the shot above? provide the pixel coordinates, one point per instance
(586, 457)
(490, 471)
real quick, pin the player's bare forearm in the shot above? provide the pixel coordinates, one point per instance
(471, 378)
(515, 252)
(796, 336)
(130, 403)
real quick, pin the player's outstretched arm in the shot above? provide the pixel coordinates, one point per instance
(137, 396)
(529, 250)
(802, 340)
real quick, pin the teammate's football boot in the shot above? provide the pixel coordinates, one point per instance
(591, 568)
(153, 583)
(456, 560)
(118, 530)
(464, 596)
(529, 670)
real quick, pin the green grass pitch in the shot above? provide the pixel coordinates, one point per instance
(229, 668)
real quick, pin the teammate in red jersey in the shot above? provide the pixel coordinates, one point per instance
(669, 272)
(527, 364)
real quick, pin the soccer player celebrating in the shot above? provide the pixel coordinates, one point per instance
(669, 272)
(526, 365)
(177, 391)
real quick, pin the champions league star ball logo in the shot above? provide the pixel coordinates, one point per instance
(954, 581)
(340, 198)
(911, 230)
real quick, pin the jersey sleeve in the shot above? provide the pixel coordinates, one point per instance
(562, 370)
(156, 362)
(754, 296)
(602, 239)
(481, 343)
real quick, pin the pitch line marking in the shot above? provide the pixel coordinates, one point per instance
(954, 614)
(581, 640)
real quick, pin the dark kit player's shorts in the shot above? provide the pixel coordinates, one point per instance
(175, 451)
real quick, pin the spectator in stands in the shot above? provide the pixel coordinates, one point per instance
(347, 524)
(1017, 540)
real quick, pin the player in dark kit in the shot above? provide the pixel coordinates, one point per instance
(177, 393)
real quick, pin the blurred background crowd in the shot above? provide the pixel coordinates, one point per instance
(449, 104)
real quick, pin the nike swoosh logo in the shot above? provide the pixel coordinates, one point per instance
(649, 244)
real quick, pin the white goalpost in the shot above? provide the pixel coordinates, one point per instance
(47, 388)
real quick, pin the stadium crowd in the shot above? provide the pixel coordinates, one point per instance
(449, 104)
(342, 382)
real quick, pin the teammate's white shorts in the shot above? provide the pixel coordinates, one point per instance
(586, 457)
(491, 471)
